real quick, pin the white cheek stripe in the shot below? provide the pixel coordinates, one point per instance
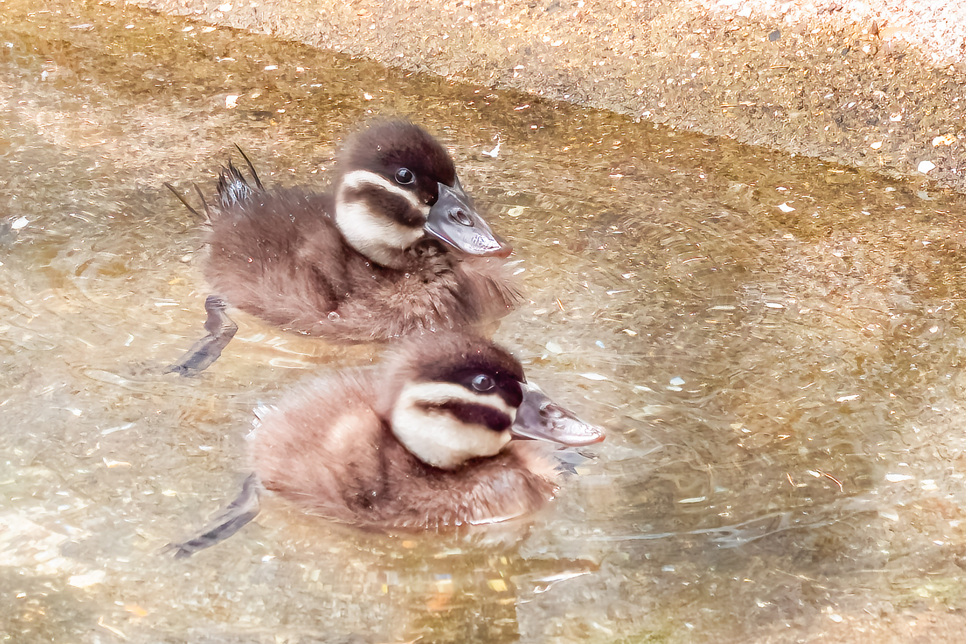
(378, 238)
(440, 439)
(358, 178)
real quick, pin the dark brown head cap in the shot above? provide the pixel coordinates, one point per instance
(387, 146)
(452, 357)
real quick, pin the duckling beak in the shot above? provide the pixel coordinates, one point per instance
(454, 221)
(539, 418)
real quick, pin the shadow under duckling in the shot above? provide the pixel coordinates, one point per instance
(433, 439)
(397, 248)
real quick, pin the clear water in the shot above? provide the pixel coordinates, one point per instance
(782, 389)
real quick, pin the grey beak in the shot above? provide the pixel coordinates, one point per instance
(454, 221)
(539, 418)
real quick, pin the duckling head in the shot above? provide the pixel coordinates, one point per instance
(449, 397)
(398, 186)
(452, 398)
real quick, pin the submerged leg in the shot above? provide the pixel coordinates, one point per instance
(236, 516)
(205, 351)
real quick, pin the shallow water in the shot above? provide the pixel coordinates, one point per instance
(781, 387)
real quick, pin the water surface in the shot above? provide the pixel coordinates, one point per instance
(774, 344)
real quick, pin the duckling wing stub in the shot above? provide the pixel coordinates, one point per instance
(279, 257)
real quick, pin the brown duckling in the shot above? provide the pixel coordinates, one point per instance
(424, 442)
(434, 438)
(396, 248)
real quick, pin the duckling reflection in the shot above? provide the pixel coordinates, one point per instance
(434, 439)
(398, 248)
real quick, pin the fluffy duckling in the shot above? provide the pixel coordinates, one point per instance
(397, 248)
(425, 442)
(432, 439)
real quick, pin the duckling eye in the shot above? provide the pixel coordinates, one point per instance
(405, 176)
(482, 383)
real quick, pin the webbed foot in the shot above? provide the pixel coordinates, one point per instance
(204, 352)
(237, 515)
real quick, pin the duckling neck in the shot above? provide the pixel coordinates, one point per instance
(375, 236)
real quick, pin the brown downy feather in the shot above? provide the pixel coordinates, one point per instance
(329, 449)
(280, 257)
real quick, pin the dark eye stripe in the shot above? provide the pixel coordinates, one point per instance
(388, 204)
(471, 413)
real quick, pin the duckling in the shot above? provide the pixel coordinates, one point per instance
(397, 248)
(424, 443)
(432, 439)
